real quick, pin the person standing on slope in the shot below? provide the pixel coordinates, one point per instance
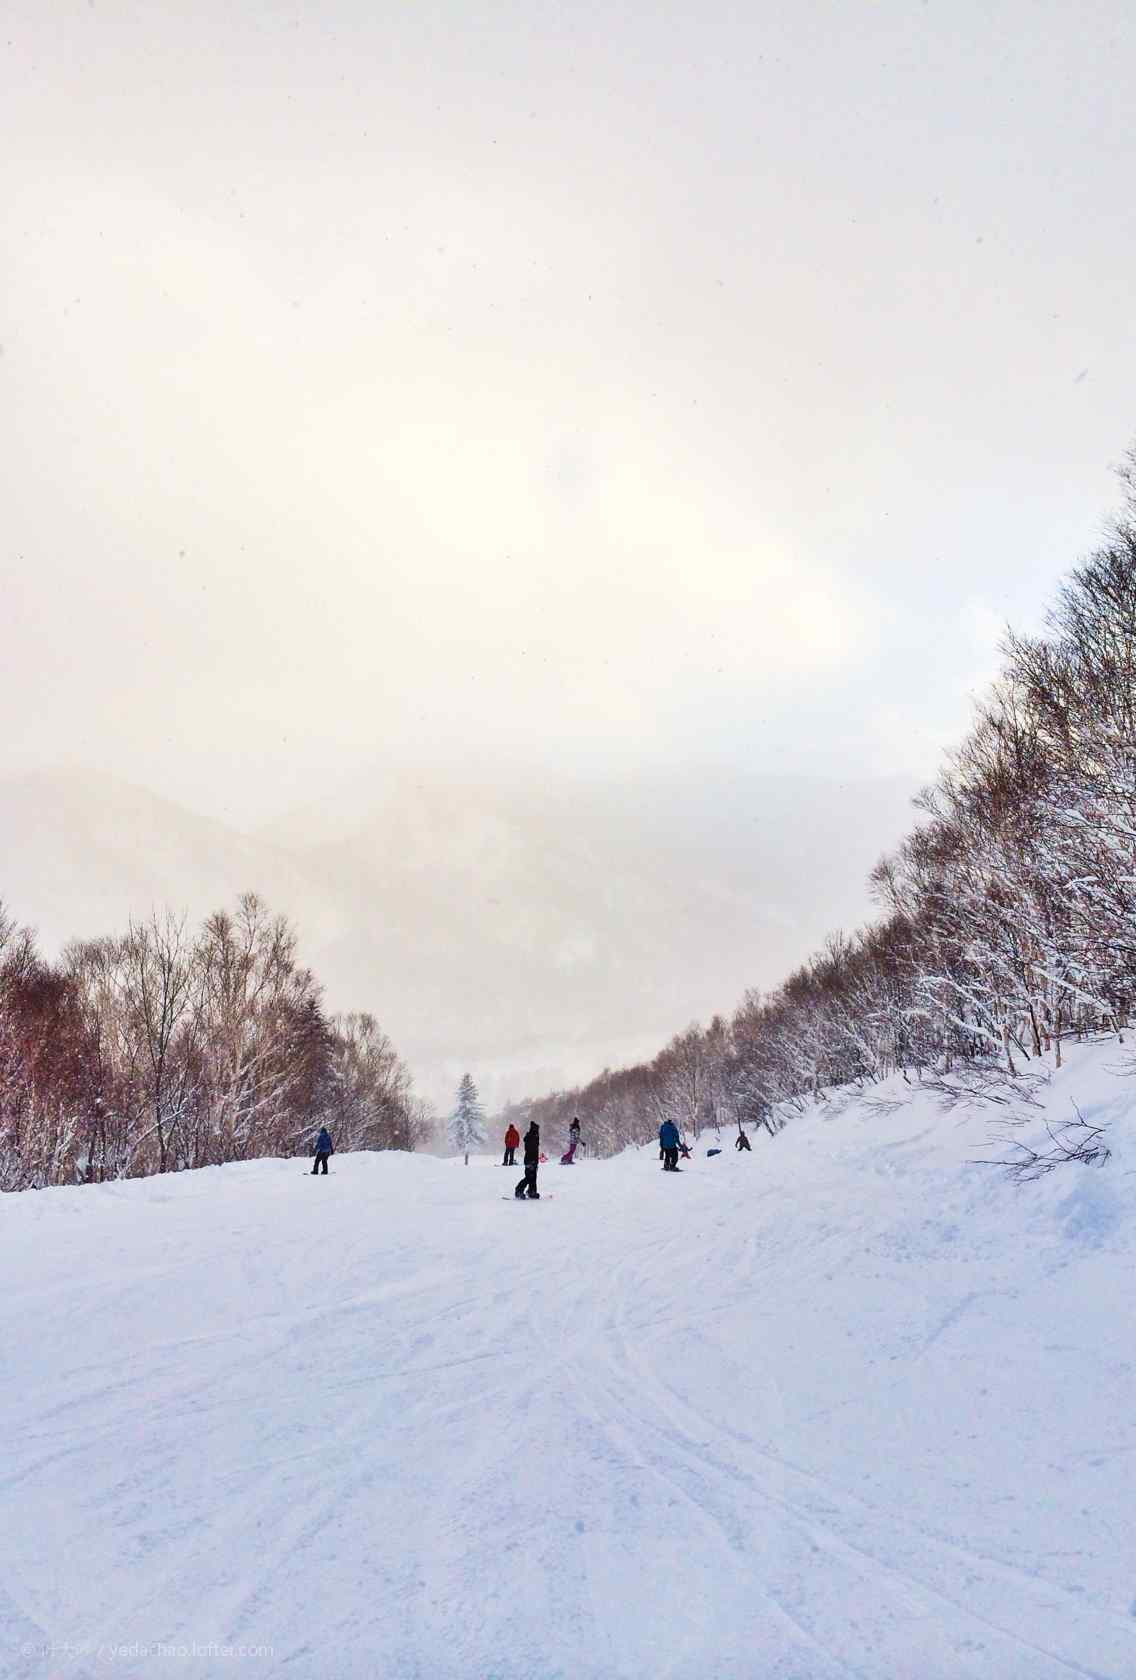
(512, 1138)
(573, 1142)
(668, 1143)
(324, 1148)
(741, 1142)
(527, 1186)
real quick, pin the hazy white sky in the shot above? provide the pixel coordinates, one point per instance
(582, 383)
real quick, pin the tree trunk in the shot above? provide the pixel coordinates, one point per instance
(1006, 1046)
(1035, 1030)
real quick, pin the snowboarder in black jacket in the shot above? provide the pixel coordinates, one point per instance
(324, 1148)
(741, 1142)
(527, 1186)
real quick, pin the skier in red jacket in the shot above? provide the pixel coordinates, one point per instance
(512, 1139)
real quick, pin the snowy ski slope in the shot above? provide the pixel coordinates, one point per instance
(847, 1406)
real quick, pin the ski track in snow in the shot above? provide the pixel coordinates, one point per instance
(845, 1407)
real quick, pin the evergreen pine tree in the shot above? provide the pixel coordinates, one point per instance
(467, 1122)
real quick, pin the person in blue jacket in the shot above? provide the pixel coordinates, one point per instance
(668, 1143)
(324, 1148)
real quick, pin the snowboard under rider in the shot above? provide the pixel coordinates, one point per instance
(573, 1142)
(527, 1186)
(512, 1139)
(668, 1143)
(324, 1148)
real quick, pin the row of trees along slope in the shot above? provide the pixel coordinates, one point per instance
(1008, 913)
(165, 1049)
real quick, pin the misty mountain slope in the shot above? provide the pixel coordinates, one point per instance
(83, 853)
(532, 931)
(848, 1405)
(587, 924)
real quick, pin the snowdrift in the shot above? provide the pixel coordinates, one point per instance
(848, 1405)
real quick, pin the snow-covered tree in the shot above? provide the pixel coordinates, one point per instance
(1009, 910)
(467, 1122)
(161, 1050)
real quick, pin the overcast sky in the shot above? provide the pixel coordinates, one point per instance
(580, 383)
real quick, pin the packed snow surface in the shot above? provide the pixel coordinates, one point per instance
(845, 1406)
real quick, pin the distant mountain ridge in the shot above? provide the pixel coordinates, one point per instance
(530, 933)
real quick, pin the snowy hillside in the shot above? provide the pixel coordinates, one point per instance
(846, 1406)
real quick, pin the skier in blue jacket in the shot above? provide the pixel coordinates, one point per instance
(668, 1143)
(324, 1148)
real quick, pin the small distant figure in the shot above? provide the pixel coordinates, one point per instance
(527, 1186)
(324, 1148)
(569, 1155)
(512, 1139)
(668, 1143)
(742, 1142)
(684, 1149)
